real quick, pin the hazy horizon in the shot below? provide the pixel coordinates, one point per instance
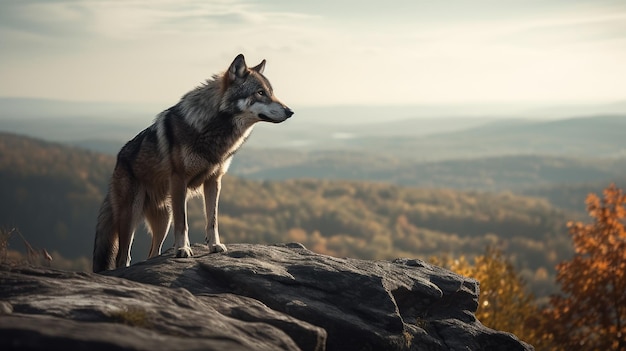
(36, 108)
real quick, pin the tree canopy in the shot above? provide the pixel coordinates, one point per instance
(590, 313)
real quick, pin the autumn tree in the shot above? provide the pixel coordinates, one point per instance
(504, 302)
(590, 314)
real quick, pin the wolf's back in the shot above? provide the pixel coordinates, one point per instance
(106, 242)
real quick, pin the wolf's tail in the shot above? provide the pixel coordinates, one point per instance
(106, 244)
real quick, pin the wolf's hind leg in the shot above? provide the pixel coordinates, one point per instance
(127, 203)
(158, 219)
(126, 234)
(212, 188)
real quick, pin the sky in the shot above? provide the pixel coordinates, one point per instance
(319, 53)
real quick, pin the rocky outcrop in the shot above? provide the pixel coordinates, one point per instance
(252, 297)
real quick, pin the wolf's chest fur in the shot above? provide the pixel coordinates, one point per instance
(197, 167)
(210, 152)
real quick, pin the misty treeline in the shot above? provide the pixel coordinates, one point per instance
(52, 194)
(523, 173)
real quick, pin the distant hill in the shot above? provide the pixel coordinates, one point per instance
(411, 140)
(600, 136)
(498, 173)
(52, 194)
(415, 133)
(483, 154)
(595, 136)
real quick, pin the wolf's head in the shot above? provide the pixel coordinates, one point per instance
(249, 95)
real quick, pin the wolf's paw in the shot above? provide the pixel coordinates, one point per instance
(184, 252)
(217, 248)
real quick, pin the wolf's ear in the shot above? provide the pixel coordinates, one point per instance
(238, 68)
(260, 67)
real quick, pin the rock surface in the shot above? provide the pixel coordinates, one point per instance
(252, 297)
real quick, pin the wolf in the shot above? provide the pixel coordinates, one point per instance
(185, 152)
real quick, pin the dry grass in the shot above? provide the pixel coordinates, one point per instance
(33, 256)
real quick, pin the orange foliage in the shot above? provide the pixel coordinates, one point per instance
(504, 301)
(591, 314)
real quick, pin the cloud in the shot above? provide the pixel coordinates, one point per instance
(133, 19)
(328, 52)
(43, 18)
(84, 49)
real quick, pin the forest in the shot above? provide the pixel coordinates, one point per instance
(539, 269)
(52, 193)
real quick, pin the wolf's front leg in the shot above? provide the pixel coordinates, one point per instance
(178, 187)
(212, 189)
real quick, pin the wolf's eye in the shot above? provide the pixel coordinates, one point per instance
(261, 92)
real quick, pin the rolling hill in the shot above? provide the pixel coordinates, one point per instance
(498, 173)
(597, 136)
(52, 193)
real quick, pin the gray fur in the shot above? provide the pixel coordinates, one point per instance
(185, 152)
